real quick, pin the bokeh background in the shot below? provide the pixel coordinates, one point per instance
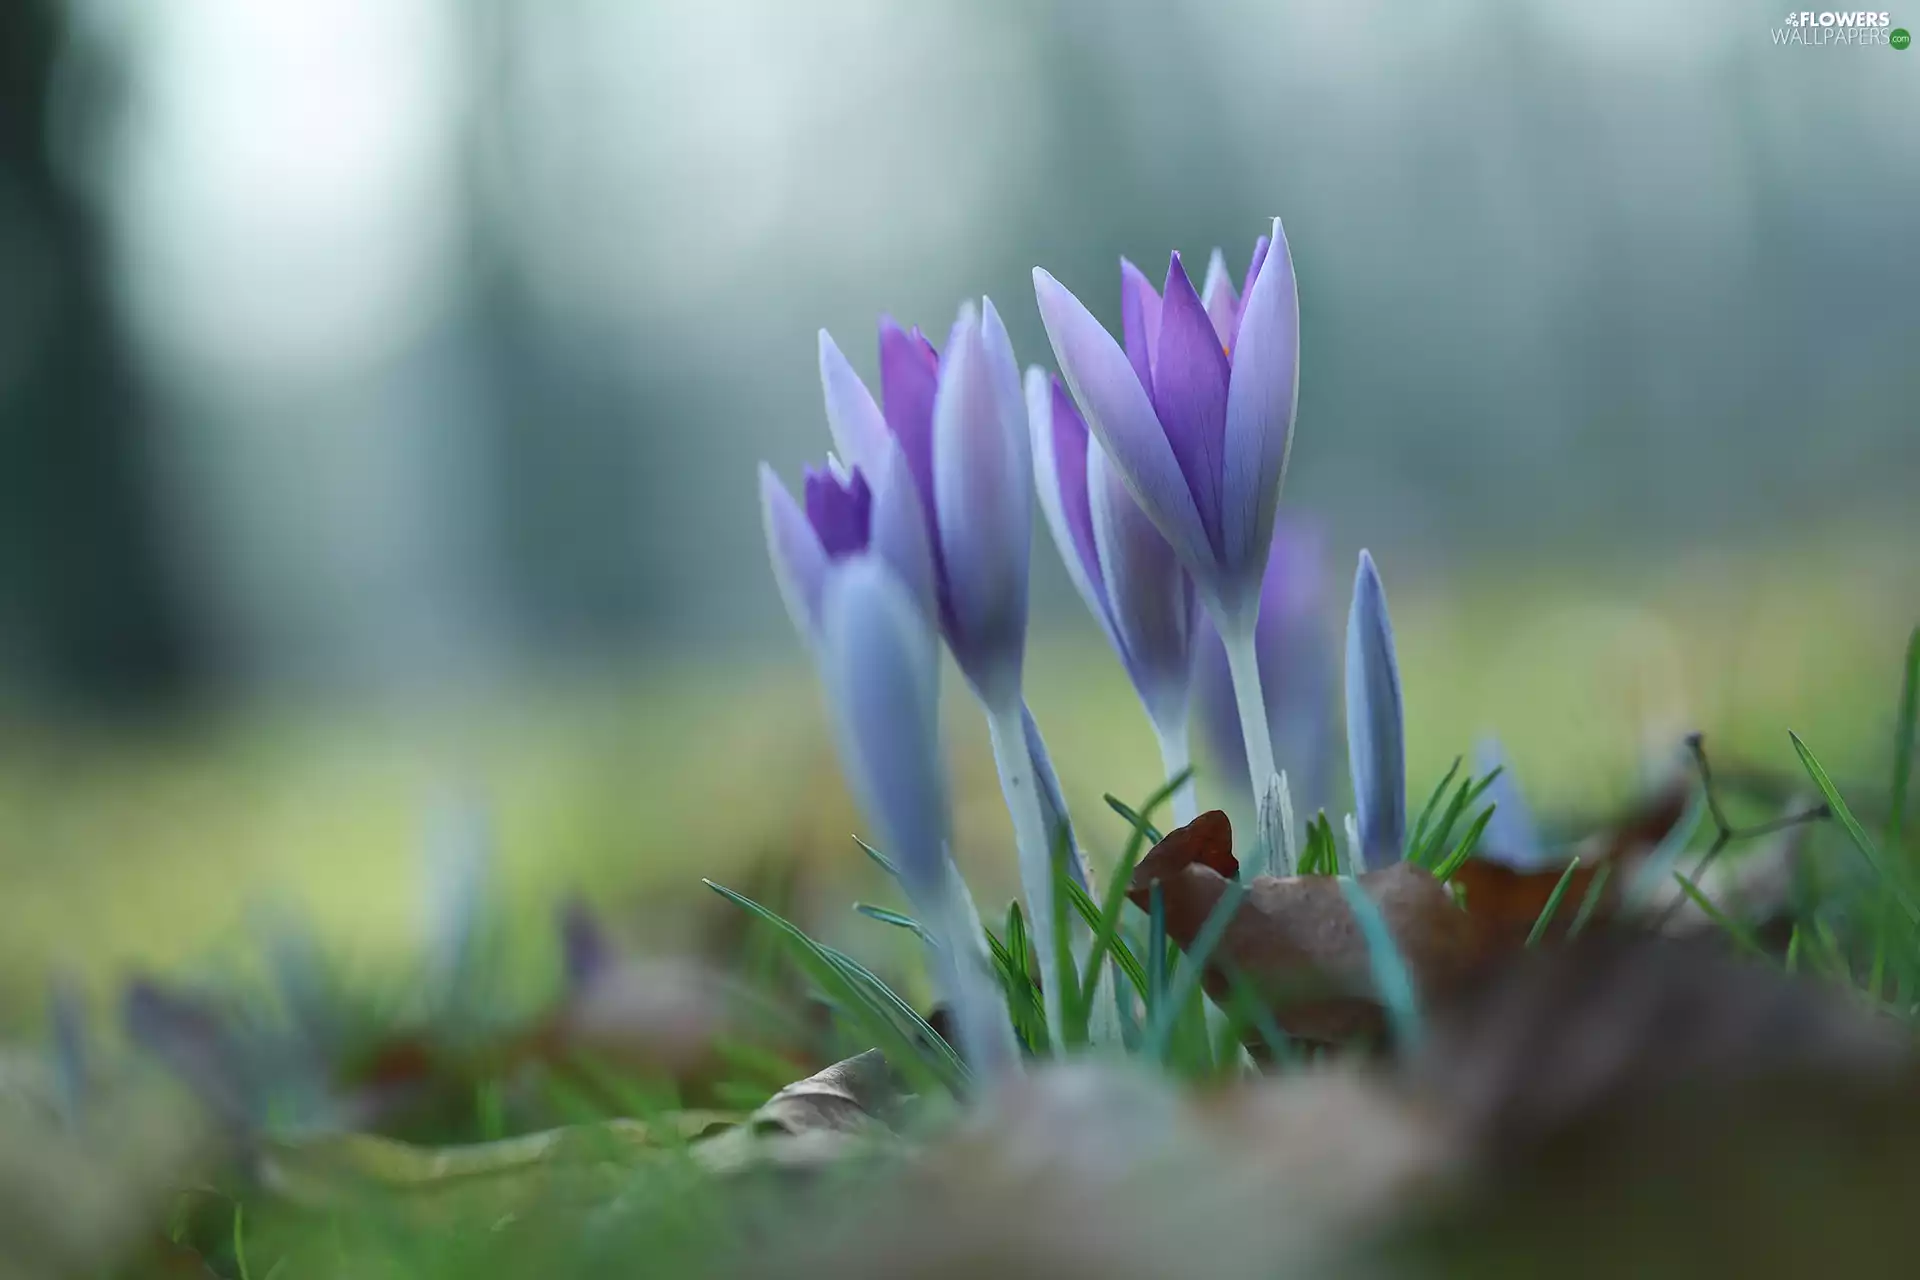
(381, 384)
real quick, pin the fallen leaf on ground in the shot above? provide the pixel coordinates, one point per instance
(1294, 940)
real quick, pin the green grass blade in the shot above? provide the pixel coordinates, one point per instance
(1590, 901)
(1734, 929)
(880, 859)
(868, 1009)
(1186, 982)
(1844, 816)
(1464, 850)
(1539, 930)
(1141, 827)
(886, 916)
(1107, 942)
(1156, 950)
(1391, 981)
(1426, 811)
(1903, 741)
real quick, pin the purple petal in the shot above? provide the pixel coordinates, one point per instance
(1218, 297)
(855, 420)
(1259, 420)
(900, 534)
(982, 511)
(1190, 374)
(909, 379)
(840, 511)
(1151, 595)
(1139, 321)
(799, 561)
(1376, 735)
(1060, 444)
(1511, 837)
(1118, 413)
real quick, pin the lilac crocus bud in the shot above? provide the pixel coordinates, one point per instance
(1122, 567)
(1197, 412)
(879, 660)
(1376, 731)
(1295, 649)
(845, 516)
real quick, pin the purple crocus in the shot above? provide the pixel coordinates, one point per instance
(1296, 672)
(958, 418)
(1120, 564)
(1196, 413)
(960, 423)
(879, 660)
(1376, 727)
(1197, 410)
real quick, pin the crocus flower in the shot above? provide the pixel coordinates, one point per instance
(959, 420)
(960, 424)
(1197, 411)
(1511, 836)
(1296, 674)
(1120, 564)
(879, 660)
(845, 515)
(1196, 414)
(1376, 733)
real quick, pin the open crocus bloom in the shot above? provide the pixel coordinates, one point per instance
(1197, 410)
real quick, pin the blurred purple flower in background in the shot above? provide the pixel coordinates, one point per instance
(1196, 413)
(1121, 565)
(879, 660)
(1295, 651)
(1512, 837)
(1376, 729)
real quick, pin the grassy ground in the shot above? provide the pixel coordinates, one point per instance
(151, 849)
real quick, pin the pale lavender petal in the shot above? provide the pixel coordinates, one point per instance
(1261, 403)
(840, 511)
(1139, 321)
(799, 561)
(1376, 735)
(983, 514)
(1259, 259)
(1511, 837)
(1053, 802)
(880, 664)
(1005, 370)
(1190, 373)
(1118, 413)
(900, 536)
(855, 420)
(1060, 443)
(879, 661)
(1150, 593)
(1218, 297)
(1298, 669)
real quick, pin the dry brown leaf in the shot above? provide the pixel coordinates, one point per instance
(1294, 939)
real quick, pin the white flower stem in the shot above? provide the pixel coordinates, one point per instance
(1175, 756)
(1017, 786)
(979, 1006)
(1244, 665)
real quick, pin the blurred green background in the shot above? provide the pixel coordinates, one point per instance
(381, 383)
